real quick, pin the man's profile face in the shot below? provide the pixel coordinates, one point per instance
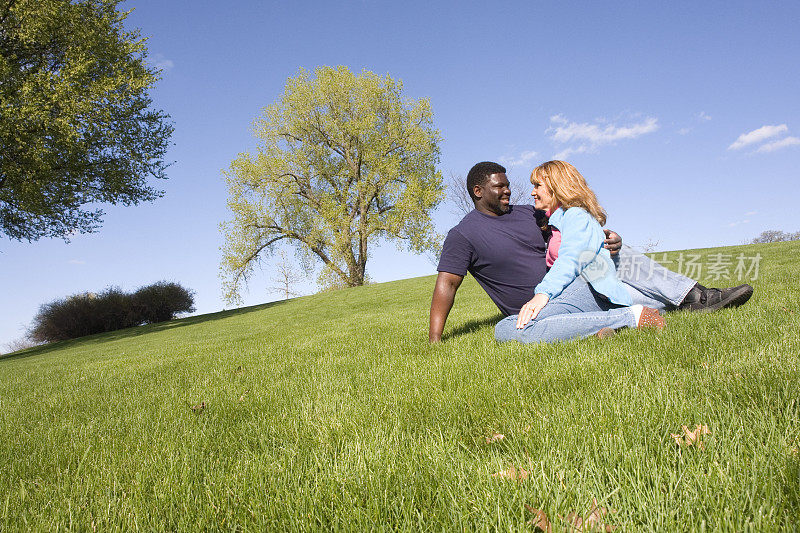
(493, 195)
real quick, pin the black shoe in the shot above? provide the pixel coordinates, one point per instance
(706, 300)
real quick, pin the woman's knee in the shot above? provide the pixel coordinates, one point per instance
(506, 329)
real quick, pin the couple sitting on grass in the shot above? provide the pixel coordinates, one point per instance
(552, 270)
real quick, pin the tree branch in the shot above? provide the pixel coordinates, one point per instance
(337, 148)
(7, 11)
(289, 135)
(313, 246)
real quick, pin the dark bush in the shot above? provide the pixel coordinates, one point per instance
(112, 309)
(162, 301)
(83, 314)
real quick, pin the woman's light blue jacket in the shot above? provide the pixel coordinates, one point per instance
(582, 254)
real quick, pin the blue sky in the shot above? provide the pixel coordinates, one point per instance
(683, 116)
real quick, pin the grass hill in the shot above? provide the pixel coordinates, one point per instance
(333, 412)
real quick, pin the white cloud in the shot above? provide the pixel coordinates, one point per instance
(702, 115)
(160, 62)
(777, 145)
(751, 213)
(564, 154)
(76, 262)
(684, 131)
(523, 159)
(586, 137)
(761, 134)
(745, 221)
(594, 134)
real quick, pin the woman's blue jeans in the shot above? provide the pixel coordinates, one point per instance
(580, 312)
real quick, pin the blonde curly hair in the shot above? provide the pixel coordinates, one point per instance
(568, 187)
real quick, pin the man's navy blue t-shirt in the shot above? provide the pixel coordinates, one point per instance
(505, 254)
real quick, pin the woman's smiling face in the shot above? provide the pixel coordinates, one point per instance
(542, 196)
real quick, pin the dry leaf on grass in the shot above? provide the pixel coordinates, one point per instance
(689, 437)
(539, 521)
(245, 393)
(494, 438)
(199, 407)
(512, 473)
(594, 521)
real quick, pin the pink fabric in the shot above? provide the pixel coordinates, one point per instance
(552, 247)
(552, 244)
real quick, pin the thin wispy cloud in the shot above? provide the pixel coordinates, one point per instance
(777, 145)
(160, 62)
(733, 224)
(745, 220)
(584, 137)
(523, 159)
(702, 116)
(564, 154)
(596, 134)
(756, 136)
(76, 262)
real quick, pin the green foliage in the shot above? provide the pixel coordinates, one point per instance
(76, 126)
(332, 412)
(342, 160)
(110, 310)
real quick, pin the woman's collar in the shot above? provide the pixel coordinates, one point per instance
(550, 212)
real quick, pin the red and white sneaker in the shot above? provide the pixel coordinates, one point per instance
(649, 318)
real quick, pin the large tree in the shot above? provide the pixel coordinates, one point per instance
(342, 160)
(76, 127)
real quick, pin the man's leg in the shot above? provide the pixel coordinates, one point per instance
(649, 283)
(652, 285)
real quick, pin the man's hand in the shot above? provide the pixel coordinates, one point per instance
(443, 296)
(613, 242)
(531, 309)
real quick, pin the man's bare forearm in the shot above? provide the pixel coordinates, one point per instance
(444, 295)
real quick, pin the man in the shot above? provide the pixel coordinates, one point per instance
(503, 247)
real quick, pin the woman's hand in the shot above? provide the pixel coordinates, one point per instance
(531, 309)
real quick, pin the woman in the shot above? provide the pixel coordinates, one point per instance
(582, 275)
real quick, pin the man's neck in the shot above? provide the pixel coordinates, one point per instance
(487, 211)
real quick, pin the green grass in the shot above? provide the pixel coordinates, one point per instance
(333, 412)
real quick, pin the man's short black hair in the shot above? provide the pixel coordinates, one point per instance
(479, 174)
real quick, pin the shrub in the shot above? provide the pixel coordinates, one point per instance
(86, 314)
(162, 301)
(83, 314)
(776, 236)
(23, 343)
